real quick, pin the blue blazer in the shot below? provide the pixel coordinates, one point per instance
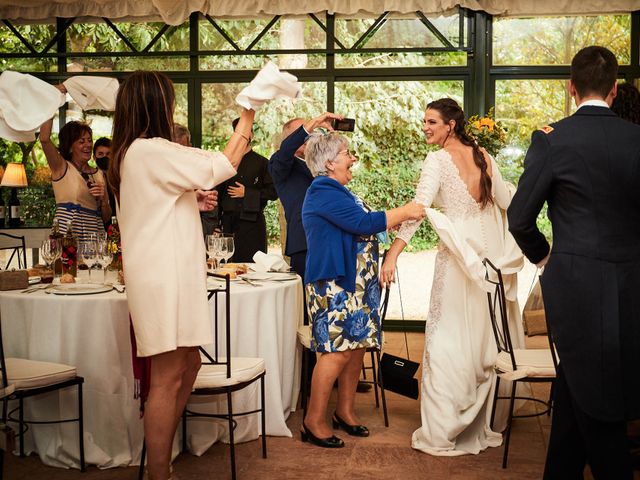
(333, 222)
(292, 178)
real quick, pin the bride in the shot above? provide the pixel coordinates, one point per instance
(464, 182)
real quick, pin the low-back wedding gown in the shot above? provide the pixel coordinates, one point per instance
(460, 351)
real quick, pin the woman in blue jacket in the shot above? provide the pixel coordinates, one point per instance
(343, 293)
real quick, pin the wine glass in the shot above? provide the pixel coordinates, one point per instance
(50, 251)
(89, 255)
(105, 255)
(229, 247)
(213, 248)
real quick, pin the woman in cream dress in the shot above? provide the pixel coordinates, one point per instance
(460, 351)
(154, 180)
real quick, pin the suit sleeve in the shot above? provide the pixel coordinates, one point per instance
(282, 161)
(533, 190)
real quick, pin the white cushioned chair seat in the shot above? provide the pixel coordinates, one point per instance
(242, 370)
(304, 336)
(530, 363)
(23, 373)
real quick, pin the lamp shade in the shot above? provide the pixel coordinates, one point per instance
(14, 176)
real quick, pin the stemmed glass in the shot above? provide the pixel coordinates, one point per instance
(50, 251)
(214, 247)
(89, 254)
(105, 255)
(228, 247)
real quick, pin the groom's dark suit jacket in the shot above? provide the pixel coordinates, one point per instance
(587, 167)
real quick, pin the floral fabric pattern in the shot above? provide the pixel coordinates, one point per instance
(342, 320)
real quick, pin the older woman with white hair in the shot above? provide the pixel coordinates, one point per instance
(343, 293)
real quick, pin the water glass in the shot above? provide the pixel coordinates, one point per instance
(89, 255)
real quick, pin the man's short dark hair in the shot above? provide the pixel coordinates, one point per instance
(594, 71)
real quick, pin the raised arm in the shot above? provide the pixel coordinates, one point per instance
(239, 140)
(57, 164)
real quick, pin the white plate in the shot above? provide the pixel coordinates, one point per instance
(79, 289)
(34, 280)
(277, 276)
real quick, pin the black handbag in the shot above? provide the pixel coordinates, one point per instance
(397, 373)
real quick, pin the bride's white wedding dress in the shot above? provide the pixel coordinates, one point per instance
(460, 350)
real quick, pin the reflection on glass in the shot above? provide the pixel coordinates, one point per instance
(555, 40)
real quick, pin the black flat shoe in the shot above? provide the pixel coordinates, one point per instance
(332, 442)
(353, 430)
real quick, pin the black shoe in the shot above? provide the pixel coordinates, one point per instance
(353, 430)
(363, 387)
(332, 442)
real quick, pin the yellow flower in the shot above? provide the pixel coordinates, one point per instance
(476, 125)
(488, 123)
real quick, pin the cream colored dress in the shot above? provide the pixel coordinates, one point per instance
(162, 248)
(460, 351)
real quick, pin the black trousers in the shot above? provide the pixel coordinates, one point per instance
(578, 439)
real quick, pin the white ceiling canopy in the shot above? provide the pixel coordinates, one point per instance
(175, 12)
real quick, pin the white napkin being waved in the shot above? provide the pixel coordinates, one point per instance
(269, 262)
(26, 102)
(93, 93)
(268, 84)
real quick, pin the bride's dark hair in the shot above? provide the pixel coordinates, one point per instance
(450, 110)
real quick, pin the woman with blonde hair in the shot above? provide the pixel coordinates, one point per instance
(154, 181)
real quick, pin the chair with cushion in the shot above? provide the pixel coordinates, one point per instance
(16, 244)
(304, 338)
(514, 364)
(29, 378)
(224, 374)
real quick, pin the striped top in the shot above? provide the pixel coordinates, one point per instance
(74, 202)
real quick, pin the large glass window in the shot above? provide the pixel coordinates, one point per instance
(555, 40)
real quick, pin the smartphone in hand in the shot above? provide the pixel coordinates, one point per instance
(344, 125)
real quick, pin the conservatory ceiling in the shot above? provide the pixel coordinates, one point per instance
(175, 12)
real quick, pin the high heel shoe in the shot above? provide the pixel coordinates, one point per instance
(353, 430)
(332, 442)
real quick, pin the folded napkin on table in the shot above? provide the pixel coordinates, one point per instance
(26, 102)
(93, 93)
(269, 262)
(268, 84)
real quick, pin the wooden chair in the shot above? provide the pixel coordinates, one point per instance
(30, 378)
(18, 249)
(517, 365)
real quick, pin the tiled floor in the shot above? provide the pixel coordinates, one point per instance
(386, 454)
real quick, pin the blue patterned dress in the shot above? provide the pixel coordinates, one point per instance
(343, 320)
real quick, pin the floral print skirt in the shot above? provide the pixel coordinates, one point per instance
(342, 320)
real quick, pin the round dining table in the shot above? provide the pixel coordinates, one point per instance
(91, 332)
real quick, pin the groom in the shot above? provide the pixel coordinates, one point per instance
(587, 168)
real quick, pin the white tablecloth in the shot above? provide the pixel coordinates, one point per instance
(92, 333)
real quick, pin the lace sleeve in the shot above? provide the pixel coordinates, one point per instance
(502, 191)
(426, 191)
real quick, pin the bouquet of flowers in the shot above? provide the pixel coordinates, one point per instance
(490, 134)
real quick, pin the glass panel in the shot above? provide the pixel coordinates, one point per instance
(369, 60)
(126, 64)
(555, 40)
(38, 37)
(284, 34)
(399, 32)
(100, 37)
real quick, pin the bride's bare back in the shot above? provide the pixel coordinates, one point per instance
(462, 157)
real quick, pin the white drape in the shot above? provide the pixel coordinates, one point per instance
(176, 12)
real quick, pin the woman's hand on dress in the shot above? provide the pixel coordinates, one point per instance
(415, 211)
(388, 271)
(207, 200)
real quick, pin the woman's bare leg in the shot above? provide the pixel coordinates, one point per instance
(169, 372)
(328, 368)
(347, 384)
